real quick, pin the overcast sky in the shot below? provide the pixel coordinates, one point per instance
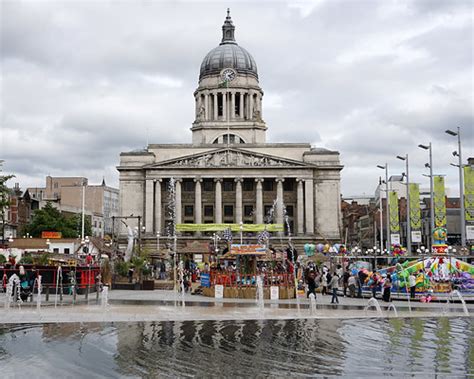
(82, 81)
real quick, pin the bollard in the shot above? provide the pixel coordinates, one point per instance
(87, 292)
(47, 293)
(74, 294)
(97, 294)
(61, 294)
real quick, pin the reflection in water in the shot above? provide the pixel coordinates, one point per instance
(273, 348)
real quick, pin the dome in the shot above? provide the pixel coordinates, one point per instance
(228, 55)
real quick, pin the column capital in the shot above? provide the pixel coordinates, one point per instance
(218, 180)
(238, 180)
(159, 180)
(197, 180)
(281, 180)
(300, 180)
(178, 180)
(259, 180)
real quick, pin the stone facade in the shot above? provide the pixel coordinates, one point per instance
(229, 173)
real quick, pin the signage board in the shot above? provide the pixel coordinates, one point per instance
(416, 236)
(205, 279)
(219, 291)
(274, 293)
(237, 249)
(395, 239)
(51, 235)
(470, 232)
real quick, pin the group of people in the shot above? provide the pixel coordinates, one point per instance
(331, 283)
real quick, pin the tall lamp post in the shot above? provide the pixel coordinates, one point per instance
(461, 183)
(408, 229)
(387, 206)
(430, 165)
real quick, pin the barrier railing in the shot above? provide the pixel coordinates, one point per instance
(250, 280)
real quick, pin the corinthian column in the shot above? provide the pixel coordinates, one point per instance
(158, 205)
(149, 206)
(197, 201)
(218, 204)
(309, 206)
(259, 201)
(238, 200)
(178, 201)
(279, 202)
(300, 207)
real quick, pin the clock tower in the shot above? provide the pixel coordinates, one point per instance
(228, 100)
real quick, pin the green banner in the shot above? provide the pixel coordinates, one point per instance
(439, 201)
(232, 227)
(394, 220)
(469, 193)
(415, 209)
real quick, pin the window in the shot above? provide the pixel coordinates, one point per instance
(95, 224)
(237, 105)
(230, 137)
(56, 250)
(267, 209)
(288, 185)
(289, 210)
(248, 210)
(228, 210)
(247, 185)
(219, 104)
(207, 186)
(227, 185)
(208, 211)
(268, 185)
(188, 186)
(100, 224)
(188, 210)
(66, 250)
(56, 185)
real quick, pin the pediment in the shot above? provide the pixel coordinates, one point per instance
(230, 157)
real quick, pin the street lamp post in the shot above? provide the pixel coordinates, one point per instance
(461, 183)
(430, 164)
(387, 206)
(408, 229)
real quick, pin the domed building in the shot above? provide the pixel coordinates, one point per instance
(229, 174)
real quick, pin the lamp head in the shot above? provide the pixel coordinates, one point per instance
(401, 158)
(450, 132)
(381, 167)
(427, 165)
(423, 147)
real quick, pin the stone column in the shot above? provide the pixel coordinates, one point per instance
(309, 205)
(224, 106)
(241, 105)
(218, 205)
(179, 219)
(279, 202)
(259, 202)
(149, 206)
(215, 105)
(197, 201)
(232, 105)
(250, 105)
(300, 207)
(157, 206)
(206, 106)
(238, 200)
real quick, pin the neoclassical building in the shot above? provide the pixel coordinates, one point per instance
(229, 173)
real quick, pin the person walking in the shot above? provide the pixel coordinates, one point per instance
(324, 283)
(352, 285)
(311, 280)
(374, 285)
(412, 284)
(361, 276)
(335, 287)
(387, 287)
(345, 281)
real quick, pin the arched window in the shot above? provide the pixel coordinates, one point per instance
(232, 138)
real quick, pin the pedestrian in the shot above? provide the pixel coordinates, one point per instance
(324, 283)
(311, 284)
(162, 270)
(345, 281)
(352, 285)
(387, 286)
(374, 284)
(335, 287)
(361, 276)
(412, 284)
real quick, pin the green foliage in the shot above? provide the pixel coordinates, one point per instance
(121, 268)
(51, 219)
(26, 259)
(41, 259)
(3, 259)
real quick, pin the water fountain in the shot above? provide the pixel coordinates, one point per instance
(181, 279)
(59, 279)
(450, 298)
(104, 297)
(400, 267)
(9, 293)
(37, 282)
(373, 302)
(312, 304)
(171, 232)
(259, 293)
(392, 307)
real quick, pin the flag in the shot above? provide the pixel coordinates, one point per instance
(224, 84)
(263, 237)
(227, 235)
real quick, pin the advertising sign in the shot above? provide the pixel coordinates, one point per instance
(219, 291)
(237, 249)
(415, 210)
(394, 220)
(51, 235)
(416, 236)
(470, 232)
(469, 193)
(205, 280)
(274, 293)
(439, 201)
(395, 239)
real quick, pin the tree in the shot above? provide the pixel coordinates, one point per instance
(51, 219)
(4, 200)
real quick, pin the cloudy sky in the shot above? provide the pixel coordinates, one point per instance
(82, 81)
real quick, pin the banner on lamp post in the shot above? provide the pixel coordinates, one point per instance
(439, 201)
(470, 232)
(394, 219)
(469, 193)
(415, 210)
(395, 239)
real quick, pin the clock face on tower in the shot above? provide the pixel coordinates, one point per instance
(228, 75)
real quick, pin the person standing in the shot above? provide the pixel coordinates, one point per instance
(345, 281)
(387, 287)
(335, 287)
(311, 279)
(375, 284)
(352, 285)
(361, 276)
(412, 284)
